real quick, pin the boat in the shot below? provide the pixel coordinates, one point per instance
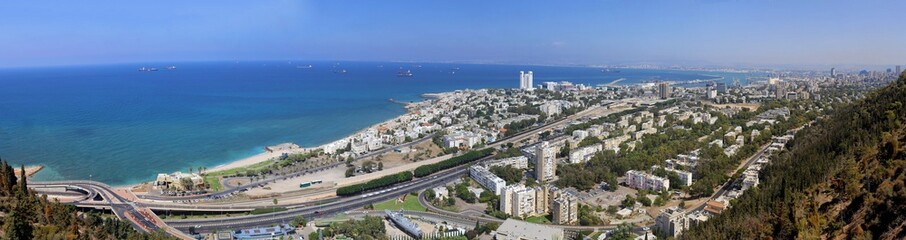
(341, 71)
(406, 73)
(171, 68)
(610, 71)
(305, 66)
(404, 224)
(147, 69)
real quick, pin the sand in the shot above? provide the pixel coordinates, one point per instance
(264, 156)
(29, 170)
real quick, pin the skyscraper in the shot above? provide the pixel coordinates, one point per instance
(545, 164)
(833, 72)
(663, 90)
(899, 70)
(525, 80)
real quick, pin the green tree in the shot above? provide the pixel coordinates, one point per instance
(299, 221)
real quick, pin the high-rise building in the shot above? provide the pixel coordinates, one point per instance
(663, 90)
(899, 70)
(833, 72)
(721, 87)
(518, 200)
(672, 221)
(565, 210)
(525, 80)
(545, 163)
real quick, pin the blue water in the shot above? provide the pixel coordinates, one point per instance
(121, 126)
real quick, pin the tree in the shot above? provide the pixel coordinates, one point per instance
(350, 171)
(623, 232)
(299, 221)
(17, 225)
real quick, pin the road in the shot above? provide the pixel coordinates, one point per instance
(232, 190)
(309, 210)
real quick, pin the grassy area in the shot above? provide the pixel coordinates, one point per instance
(411, 204)
(538, 219)
(213, 178)
(266, 210)
(200, 216)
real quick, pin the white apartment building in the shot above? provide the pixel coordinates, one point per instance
(583, 154)
(518, 200)
(672, 221)
(487, 179)
(461, 138)
(525, 80)
(643, 180)
(545, 162)
(520, 162)
(565, 210)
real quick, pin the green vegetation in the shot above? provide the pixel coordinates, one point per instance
(510, 152)
(31, 217)
(410, 204)
(517, 127)
(212, 179)
(538, 219)
(588, 141)
(374, 184)
(841, 178)
(508, 173)
(588, 216)
(462, 192)
(266, 210)
(299, 221)
(470, 156)
(371, 227)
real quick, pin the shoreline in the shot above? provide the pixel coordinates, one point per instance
(265, 156)
(29, 170)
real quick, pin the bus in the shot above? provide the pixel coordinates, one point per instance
(308, 184)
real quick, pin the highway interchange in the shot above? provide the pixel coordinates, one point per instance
(310, 210)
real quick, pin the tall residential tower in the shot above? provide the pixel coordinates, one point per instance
(525, 80)
(545, 163)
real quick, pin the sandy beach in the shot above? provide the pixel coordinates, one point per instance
(264, 156)
(29, 170)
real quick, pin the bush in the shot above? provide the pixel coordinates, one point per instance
(374, 184)
(426, 170)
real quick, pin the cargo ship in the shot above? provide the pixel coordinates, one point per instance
(406, 73)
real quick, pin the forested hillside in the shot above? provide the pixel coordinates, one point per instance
(843, 178)
(26, 216)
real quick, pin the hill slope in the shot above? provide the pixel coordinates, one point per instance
(842, 179)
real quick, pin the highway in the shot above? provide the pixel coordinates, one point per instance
(310, 210)
(231, 190)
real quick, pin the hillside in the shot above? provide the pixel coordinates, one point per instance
(843, 178)
(26, 216)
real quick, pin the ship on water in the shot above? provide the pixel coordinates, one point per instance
(304, 66)
(147, 69)
(406, 73)
(171, 68)
(340, 71)
(609, 71)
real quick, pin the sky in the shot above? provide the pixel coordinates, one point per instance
(43, 33)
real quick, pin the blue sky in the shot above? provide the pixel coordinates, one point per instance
(36, 33)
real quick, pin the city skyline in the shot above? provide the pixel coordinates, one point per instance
(724, 33)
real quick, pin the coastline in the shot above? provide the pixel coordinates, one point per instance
(29, 170)
(265, 156)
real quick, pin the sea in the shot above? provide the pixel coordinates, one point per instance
(121, 126)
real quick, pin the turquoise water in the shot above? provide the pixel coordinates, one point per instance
(121, 126)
